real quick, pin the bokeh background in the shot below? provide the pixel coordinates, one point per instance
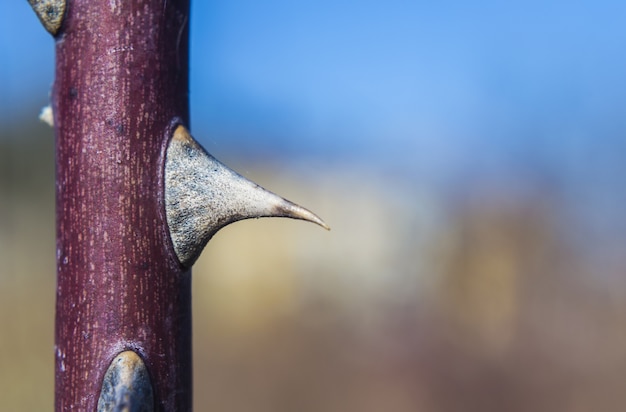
(469, 157)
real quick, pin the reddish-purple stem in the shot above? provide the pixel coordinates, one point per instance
(121, 83)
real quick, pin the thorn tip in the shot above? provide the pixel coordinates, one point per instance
(294, 211)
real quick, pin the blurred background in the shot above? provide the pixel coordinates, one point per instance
(469, 158)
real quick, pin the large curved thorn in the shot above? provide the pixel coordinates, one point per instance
(202, 196)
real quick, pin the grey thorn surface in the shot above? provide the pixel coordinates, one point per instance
(50, 13)
(126, 386)
(202, 196)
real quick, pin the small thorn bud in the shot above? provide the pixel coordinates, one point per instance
(126, 386)
(50, 13)
(202, 196)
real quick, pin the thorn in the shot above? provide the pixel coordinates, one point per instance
(46, 115)
(202, 195)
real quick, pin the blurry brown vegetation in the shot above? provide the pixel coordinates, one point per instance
(415, 301)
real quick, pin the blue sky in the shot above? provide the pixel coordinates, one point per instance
(482, 85)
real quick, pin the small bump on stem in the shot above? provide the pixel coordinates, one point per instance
(126, 386)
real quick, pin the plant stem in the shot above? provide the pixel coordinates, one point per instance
(121, 83)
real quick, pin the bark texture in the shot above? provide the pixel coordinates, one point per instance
(121, 84)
